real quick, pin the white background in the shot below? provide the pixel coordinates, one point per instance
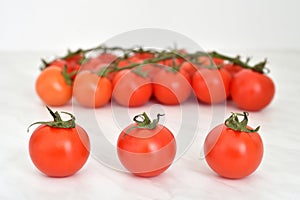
(33, 29)
(213, 24)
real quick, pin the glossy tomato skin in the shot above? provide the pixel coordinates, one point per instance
(171, 88)
(131, 89)
(52, 88)
(251, 90)
(59, 152)
(233, 154)
(211, 85)
(145, 152)
(92, 91)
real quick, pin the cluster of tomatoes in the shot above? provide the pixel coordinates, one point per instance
(147, 148)
(170, 77)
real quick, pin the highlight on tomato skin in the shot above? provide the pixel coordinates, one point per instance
(145, 148)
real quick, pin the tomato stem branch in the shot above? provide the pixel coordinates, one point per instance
(234, 123)
(58, 122)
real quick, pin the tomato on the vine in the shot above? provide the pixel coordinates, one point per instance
(146, 148)
(131, 89)
(211, 85)
(251, 90)
(233, 69)
(233, 150)
(139, 57)
(59, 148)
(188, 67)
(171, 87)
(91, 90)
(75, 58)
(54, 86)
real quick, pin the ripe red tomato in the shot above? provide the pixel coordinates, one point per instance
(76, 58)
(188, 67)
(146, 150)
(251, 90)
(233, 153)
(211, 85)
(71, 65)
(171, 87)
(140, 57)
(233, 69)
(218, 61)
(59, 150)
(52, 87)
(95, 64)
(131, 89)
(92, 91)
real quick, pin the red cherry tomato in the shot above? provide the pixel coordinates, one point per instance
(92, 91)
(188, 67)
(232, 69)
(140, 57)
(233, 153)
(52, 88)
(76, 58)
(251, 90)
(171, 87)
(211, 85)
(218, 61)
(146, 152)
(131, 89)
(59, 151)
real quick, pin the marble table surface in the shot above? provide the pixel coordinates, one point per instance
(278, 176)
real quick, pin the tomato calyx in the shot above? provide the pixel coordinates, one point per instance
(233, 123)
(144, 122)
(58, 122)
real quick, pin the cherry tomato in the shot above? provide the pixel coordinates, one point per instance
(52, 88)
(146, 150)
(90, 90)
(72, 67)
(59, 148)
(233, 69)
(188, 67)
(171, 87)
(95, 64)
(233, 153)
(218, 61)
(59, 63)
(76, 58)
(252, 90)
(140, 57)
(211, 85)
(131, 89)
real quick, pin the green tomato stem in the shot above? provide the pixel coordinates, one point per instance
(233, 123)
(58, 122)
(144, 122)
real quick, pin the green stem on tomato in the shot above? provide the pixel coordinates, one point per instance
(233, 123)
(143, 122)
(58, 122)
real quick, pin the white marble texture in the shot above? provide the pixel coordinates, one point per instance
(278, 177)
